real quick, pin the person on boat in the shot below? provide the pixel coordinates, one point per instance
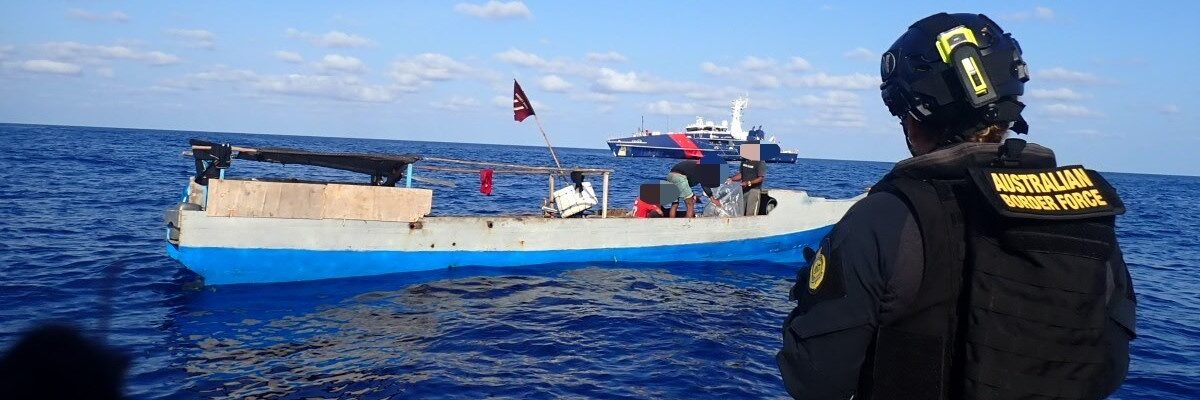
(685, 174)
(648, 204)
(751, 174)
(975, 269)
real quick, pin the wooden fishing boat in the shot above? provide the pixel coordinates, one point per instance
(237, 231)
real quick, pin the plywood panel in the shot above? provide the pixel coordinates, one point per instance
(375, 203)
(238, 198)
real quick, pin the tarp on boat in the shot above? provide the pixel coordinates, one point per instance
(733, 203)
(376, 165)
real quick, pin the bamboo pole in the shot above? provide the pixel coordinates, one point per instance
(544, 136)
(475, 171)
(525, 167)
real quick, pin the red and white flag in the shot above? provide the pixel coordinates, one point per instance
(522, 108)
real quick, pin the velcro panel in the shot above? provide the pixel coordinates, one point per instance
(922, 356)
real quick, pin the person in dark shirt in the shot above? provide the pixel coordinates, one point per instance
(751, 174)
(688, 173)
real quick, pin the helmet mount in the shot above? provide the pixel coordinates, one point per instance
(956, 73)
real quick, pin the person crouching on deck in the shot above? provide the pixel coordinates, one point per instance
(687, 173)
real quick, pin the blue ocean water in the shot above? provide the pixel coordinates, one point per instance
(81, 240)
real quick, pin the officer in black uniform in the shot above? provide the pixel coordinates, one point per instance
(975, 269)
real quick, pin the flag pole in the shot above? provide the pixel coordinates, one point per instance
(544, 136)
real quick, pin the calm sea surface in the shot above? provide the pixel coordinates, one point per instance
(81, 239)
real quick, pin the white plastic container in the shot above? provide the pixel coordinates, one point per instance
(570, 201)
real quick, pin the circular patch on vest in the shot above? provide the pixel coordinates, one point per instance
(816, 274)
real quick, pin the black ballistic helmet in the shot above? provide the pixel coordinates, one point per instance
(960, 72)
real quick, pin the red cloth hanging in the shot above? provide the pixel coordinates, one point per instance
(485, 182)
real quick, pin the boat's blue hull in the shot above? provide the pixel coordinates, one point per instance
(223, 266)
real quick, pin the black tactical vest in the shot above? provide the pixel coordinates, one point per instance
(1017, 295)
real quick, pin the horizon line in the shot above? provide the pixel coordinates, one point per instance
(478, 143)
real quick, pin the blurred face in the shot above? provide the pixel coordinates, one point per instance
(750, 151)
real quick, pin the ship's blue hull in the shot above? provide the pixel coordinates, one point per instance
(678, 146)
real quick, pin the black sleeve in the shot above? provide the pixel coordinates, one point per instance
(707, 191)
(840, 294)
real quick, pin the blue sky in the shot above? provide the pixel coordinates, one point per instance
(1114, 83)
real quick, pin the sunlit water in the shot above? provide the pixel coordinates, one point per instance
(81, 240)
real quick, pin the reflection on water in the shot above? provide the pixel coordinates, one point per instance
(591, 331)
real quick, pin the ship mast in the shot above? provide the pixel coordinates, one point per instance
(735, 126)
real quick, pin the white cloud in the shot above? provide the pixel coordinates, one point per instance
(338, 62)
(716, 96)
(329, 39)
(221, 73)
(557, 66)
(105, 72)
(752, 63)
(495, 10)
(832, 98)
(518, 57)
(1170, 109)
(1061, 94)
(289, 56)
(1038, 13)
(198, 38)
(6, 51)
(72, 51)
(422, 70)
(1060, 110)
(611, 56)
(761, 72)
(456, 104)
(611, 81)
(861, 54)
(823, 80)
(714, 69)
(663, 107)
(85, 15)
(336, 87)
(799, 64)
(504, 102)
(50, 67)
(594, 97)
(1043, 13)
(834, 108)
(766, 81)
(554, 83)
(1065, 75)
